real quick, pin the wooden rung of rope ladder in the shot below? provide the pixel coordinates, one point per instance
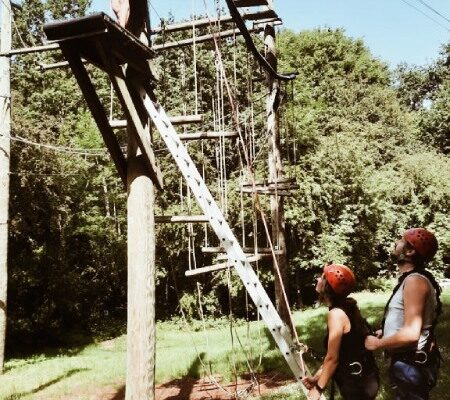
(247, 250)
(249, 256)
(177, 219)
(267, 191)
(217, 267)
(282, 187)
(208, 135)
(175, 120)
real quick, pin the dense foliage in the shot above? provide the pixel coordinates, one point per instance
(368, 148)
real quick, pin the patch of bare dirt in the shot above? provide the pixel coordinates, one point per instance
(192, 389)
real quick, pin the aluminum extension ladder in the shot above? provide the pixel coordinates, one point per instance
(235, 253)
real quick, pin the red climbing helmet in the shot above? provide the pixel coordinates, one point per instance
(340, 277)
(423, 241)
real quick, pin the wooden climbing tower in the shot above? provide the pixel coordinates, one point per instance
(100, 41)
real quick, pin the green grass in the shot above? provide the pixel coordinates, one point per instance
(184, 352)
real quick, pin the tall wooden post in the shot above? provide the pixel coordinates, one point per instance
(5, 131)
(141, 279)
(275, 173)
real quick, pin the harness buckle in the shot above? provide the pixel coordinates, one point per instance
(358, 370)
(420, 357)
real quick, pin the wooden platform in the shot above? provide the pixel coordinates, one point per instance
(102, 42)
(83, 35)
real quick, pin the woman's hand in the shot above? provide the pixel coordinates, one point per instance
(309, 381)
(314, 394)
(372, 343)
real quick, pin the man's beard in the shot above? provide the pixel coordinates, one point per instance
(397, 258)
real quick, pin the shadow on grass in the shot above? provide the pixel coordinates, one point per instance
(36, 357)
(68, 374)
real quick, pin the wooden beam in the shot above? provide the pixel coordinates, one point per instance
(198, 23)
(252, 3)
(262, 15)
(203, 270)
(27, 50)
(130, 106)
(248, 250)
(176, 120)
(97, 110)
(216, 267)
(267, 191)
(250, 256)
(141, 270)
(177, 219)
(207, 135)
(186, 119)
(203, 38)
(279, 181)
(61, 64)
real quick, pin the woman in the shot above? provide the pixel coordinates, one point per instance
(347, 361)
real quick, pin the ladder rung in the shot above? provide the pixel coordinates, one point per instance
(208, 135)
(250, 256)
(203, 270)
(279, 182)
(177, 120)
(269, 190)
(216, 267)
(252, 3)
(176, 219)
(262, 15)
(248, 250)
(272, 21)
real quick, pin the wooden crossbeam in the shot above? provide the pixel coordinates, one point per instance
(216, 267)
(252, 3)
(247, 250)
(282, 187)
(203, 38)
(267, 191)
(97, 110)
(136, 115)
(208, 135)
(249, 255)
(176, 120)
(197, 23)
(34, 49)
(279, 181)
(178, 219)
(262, 15)
(202, 22)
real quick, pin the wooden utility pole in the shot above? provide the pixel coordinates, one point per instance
(141, 278)
(5, 132)
(275, 173)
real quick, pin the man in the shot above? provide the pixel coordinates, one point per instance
(131, 14)
(410, 318)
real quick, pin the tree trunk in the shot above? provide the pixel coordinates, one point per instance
(141, 279)
(275, 172)
(5, 132)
